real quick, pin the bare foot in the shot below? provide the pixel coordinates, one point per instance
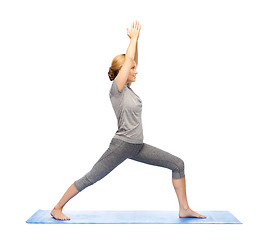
(186, 213)
(58, 214)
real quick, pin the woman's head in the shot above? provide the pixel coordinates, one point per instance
(116, 65)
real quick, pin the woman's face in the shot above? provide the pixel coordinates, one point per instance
(132, 73)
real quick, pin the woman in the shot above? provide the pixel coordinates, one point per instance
(128, 140)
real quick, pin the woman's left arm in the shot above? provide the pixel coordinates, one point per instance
(136, 54)
(136, 50)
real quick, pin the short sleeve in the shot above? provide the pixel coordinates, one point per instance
(114, 90)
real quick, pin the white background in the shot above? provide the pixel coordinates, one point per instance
(202, 74)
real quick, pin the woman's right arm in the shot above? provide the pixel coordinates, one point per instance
(123, 74)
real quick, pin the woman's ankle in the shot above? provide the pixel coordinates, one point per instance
(184, 207)
(57, 207)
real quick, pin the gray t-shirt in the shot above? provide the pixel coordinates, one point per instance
(128, 110)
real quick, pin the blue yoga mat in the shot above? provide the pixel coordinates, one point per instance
(132, 217)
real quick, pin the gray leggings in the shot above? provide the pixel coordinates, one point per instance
(120, 150)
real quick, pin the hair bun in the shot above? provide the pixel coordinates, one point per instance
(111, 74)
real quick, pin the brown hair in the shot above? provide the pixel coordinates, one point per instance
(116, 65)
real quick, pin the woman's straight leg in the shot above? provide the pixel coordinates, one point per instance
(117, 152)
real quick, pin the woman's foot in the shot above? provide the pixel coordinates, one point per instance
(187, 213)
(58, 214)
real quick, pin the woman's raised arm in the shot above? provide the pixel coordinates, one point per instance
(131, 55)
(136, 49)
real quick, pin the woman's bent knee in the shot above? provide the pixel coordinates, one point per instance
(178, 172)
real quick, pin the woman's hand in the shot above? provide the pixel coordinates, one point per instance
(135, 30)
